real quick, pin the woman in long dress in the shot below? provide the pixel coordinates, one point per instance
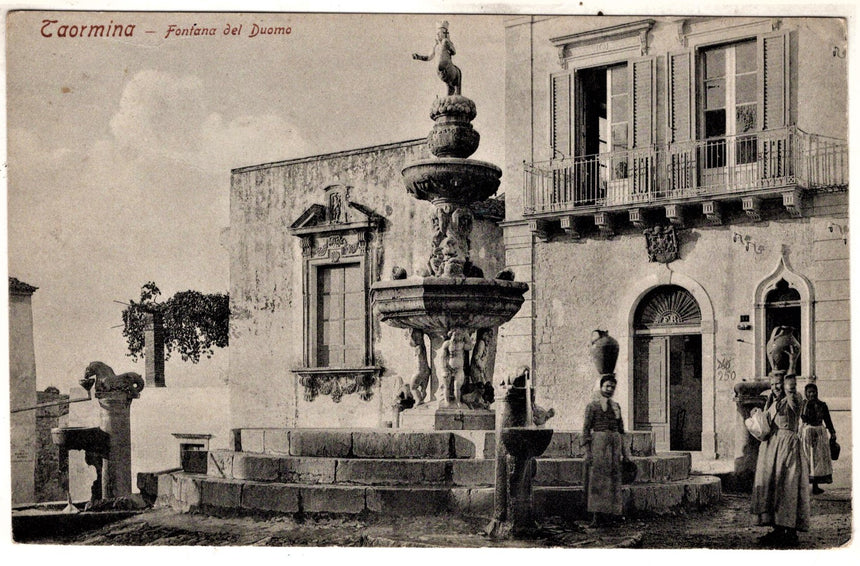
(780, 495)
(813, 434)
(602, 435)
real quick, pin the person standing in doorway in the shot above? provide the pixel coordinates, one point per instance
(605, 450)
(813, 434)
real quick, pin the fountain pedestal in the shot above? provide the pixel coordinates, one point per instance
(748, 395)
(518, 443)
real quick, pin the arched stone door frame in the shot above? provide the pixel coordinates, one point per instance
(624, 369)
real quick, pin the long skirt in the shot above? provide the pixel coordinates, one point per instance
(604, 474)
(781, 494)
(816, 446)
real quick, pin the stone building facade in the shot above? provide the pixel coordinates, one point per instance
(307, 238)
(679, 182)
(682, 183)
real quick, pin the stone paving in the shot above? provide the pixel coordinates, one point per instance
(726, 525)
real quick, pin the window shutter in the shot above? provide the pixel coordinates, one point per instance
(643, 101)
(680, 97)
(560, 119)
(775, 81)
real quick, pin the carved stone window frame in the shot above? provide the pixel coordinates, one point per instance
(807, 317)
(338, 233)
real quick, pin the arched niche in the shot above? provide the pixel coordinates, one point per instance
(784, 288)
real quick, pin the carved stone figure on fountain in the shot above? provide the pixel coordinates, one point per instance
(443, 50)
(452, 356)
(421, 379)
(107, 381)
(453, 262)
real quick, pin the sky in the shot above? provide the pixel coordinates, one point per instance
(120, 149)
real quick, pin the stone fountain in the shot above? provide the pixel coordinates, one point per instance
(450, 310)
(106, 448)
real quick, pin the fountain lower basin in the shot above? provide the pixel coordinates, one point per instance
(452, 178)
(437, 304)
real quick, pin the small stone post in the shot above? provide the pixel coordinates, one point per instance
(153, 339)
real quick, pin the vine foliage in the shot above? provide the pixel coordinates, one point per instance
(194, 323)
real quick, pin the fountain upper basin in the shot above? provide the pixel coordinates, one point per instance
(452, 178)
(92, 439)
(525, 442)
(437, 304)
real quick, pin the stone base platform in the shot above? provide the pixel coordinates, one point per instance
(399, 472)
(199, 493)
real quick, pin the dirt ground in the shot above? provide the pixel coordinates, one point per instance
(728, 525)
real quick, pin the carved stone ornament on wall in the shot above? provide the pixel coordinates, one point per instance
(336, 383)
(662, 244)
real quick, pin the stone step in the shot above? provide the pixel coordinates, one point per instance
(395, 443)
(199, 493)
(552, 471)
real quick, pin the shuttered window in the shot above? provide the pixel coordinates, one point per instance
(680, 97)
(643, 102)
(561, 104)
(774, 83)
(340, 340)
(611, 106)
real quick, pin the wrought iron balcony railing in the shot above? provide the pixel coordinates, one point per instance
(745, 164)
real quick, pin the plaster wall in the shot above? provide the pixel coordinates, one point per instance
(266, 280)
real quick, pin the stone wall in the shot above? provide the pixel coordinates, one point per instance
(52, 464)
(266, 279)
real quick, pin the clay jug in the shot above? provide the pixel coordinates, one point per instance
(604, 351)
(783, 349)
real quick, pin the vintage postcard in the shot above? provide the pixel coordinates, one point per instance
(505, 277)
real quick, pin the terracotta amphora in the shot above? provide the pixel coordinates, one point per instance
(604, 351)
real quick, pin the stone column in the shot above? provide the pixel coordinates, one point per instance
(153, 340)
(116, 421)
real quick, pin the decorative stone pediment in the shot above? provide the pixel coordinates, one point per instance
(337, 228)
(338, 213)
(628, 40)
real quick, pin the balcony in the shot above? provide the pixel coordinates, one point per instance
(746, 167)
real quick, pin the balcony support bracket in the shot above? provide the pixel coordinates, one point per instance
(540, 228)
(675, 214)
(752, 206)
(637, 218)
(712, 212)
(603, 221)
(793, 202)
(568, 224)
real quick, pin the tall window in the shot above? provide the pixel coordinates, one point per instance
(340, 321)
(605, 111)
(730, 103)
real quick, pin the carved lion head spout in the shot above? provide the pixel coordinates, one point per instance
(105, 380)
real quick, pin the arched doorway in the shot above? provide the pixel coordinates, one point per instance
(667, 368)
